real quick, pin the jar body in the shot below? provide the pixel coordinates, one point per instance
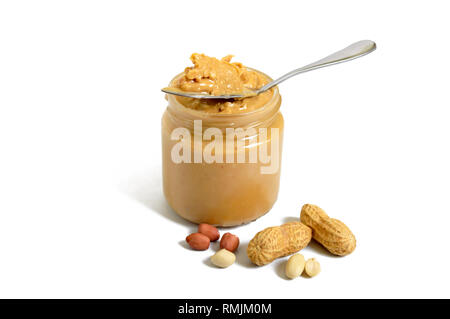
(222, 193)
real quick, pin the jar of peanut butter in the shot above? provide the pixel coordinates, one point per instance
(221, 158)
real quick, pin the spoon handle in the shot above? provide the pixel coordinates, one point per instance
(351, 52)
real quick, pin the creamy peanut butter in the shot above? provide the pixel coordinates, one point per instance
(219, 192)
(217, 77)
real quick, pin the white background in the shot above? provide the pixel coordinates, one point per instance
(81, 207)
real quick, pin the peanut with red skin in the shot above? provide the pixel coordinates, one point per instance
(230, 242)
(198, 241)
(210, 231)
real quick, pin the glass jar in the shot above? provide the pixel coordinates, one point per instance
(221, 169)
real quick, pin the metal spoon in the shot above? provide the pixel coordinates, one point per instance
(351, 52)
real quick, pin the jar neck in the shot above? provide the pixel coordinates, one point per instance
(182, 116)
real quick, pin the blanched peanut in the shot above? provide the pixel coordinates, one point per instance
(223, 258)
(312, 267)
(295, 266)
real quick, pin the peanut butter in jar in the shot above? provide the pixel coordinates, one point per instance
(221, 158)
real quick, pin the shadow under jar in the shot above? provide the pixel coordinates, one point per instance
(205, 179)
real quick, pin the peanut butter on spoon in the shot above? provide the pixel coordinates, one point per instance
(217, 77)
(220, 77)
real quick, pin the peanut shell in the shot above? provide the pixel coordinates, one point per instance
(279, 241)
(333, 234)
